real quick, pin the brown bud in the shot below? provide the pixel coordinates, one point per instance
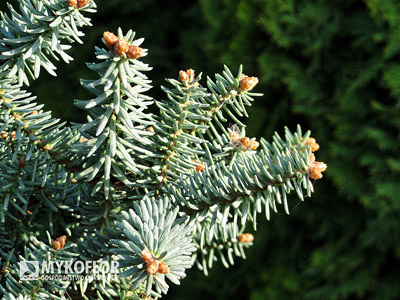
(48, 147)
(59, 242)
(82, 3)
(56, 245)
(146, 255)
(200, 167)
(163, 268)
(4, 135)
(150, 128)
(311, 159)
(121, 47)
(190, 73)
(134, 52)
(28, 212)
(247, 83)
(183, 76)
(152, 267)
(315, 170)
(312, 143)
(254, 145)
(246, 142)
(13, 134)
(34, 113)
(234, 136)
(246, 238)
(62, 239)
(110, 39)
(72, 3)
(83, 139)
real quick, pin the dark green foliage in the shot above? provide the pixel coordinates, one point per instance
(335, 64)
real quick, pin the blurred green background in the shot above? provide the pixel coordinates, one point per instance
(331, 65)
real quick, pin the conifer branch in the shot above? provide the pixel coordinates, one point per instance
(29, 38)
(155, 193)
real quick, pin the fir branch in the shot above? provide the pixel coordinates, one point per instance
(40, 288)
(182, 105)
(256, 179)
(116, 132)
(228, 94)
(39, 30)
(227, 242)
(192, 182)
(158, 246)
